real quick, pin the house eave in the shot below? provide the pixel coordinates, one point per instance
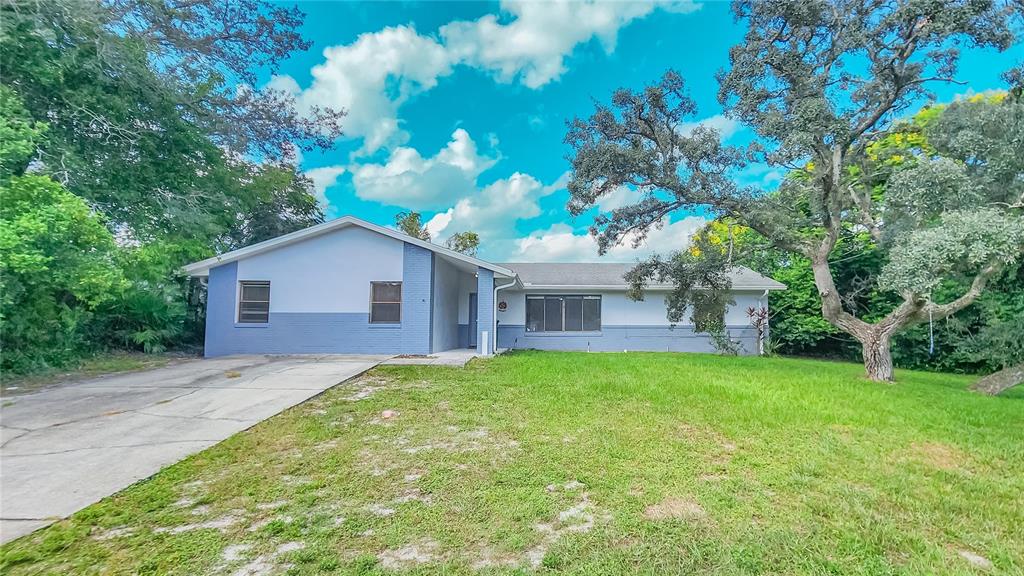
(618, 287)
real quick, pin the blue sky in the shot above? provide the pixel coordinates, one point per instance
(458, 109)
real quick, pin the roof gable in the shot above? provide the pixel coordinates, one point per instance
(202, 268)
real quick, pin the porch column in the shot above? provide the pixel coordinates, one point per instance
(485, 309)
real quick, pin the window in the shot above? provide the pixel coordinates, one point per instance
(385, 302)
(254, 302)
(563, 313)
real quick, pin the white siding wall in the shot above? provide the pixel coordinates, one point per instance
(737, 314)
(618, 310)
(329, 273)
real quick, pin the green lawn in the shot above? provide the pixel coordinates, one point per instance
(576, 463)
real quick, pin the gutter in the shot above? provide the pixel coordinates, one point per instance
(623, 287)
(494, 313)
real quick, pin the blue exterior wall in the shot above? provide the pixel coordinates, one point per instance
(323, 332)
(221, 291)
(485, 307)
(417, 300)
(463, 335)
(623, 338)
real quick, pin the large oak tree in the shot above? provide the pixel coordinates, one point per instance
(818, 83)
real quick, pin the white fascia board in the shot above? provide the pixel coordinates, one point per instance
(625, 287)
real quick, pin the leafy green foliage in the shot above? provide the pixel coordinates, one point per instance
(411, 223)
(465, 242)
(964, 239)
(143, 113)
(818, 84)
(19, 134)
(700, 284)
(152, 312)
(919, 187)
(57, 266)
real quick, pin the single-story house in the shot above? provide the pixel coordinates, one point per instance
(351, 287)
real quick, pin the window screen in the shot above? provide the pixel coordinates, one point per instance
(534, 314)
(563, 313)
(573, 313)
(552, 314)
(254, 302)
(591, 313)
(385, 302)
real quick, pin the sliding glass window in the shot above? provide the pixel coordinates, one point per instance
(563, 313)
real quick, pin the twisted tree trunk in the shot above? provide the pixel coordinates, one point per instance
(998, 382)
(877, 352)
(876, 338)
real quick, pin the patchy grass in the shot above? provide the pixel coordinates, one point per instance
(107, 363)
(577, 463)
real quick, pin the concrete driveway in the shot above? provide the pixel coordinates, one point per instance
(66, 447)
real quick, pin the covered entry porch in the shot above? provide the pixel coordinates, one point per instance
(463, 307)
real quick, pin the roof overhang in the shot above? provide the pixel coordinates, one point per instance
(626, 287)
(202, 268)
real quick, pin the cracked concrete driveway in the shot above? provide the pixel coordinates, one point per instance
(66, 447)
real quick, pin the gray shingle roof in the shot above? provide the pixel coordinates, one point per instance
(611, 274)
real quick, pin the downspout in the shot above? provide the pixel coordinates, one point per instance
(767, 316)
(494, 314)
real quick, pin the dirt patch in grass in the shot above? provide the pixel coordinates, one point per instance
(235, 552)
(420, 552)
(937, 455)
(366, 386)
(222, 523)
(976, 560)
(489, 557)
(579, 518)
(266, 564)
(112, 533)
(675, 508)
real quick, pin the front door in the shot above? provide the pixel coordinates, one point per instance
(472, 320)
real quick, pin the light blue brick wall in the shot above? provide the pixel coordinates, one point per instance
(221, 287)
(619, 338)
(485, 306)
(311, 333)
(417, 300)
(327, 332)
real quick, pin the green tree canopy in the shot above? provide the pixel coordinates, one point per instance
(412, 224)
(465, 242)
(794, 83)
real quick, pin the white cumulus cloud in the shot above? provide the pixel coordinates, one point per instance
(529, 43)
(409, 180)
(493, 211)
(726, 127)
(371, 78)
(619, 197)
(560, 243)
(323, 178)
(533, 46)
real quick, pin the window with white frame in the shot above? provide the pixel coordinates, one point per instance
(385, 302)
(563, 313)
(254, 302)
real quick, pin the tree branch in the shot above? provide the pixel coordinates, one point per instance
(940, 311)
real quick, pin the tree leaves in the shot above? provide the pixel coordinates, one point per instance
(964, 242)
